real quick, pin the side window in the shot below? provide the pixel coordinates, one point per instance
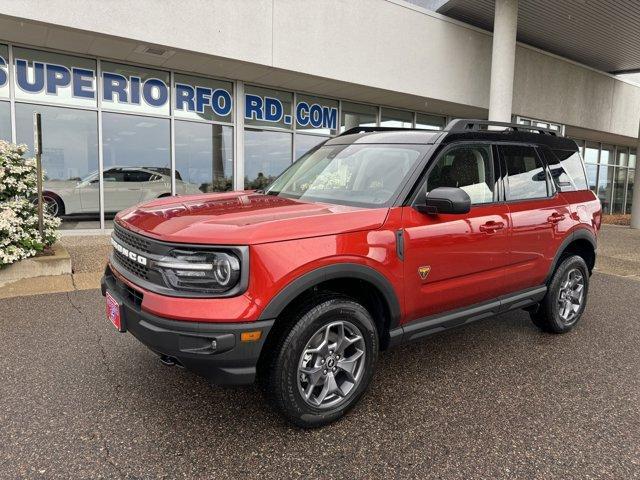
(137, 176)
(566, 169)
(114, 175)
(526, 175)
(468, 167)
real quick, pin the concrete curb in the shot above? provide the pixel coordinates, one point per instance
(57, 264)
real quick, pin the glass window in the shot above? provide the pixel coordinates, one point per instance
(396, 118)
(54, 78)
(4, 71)
(622, 156)
(135, 147)
(5, 121)
(591, 152)
(267, 108)
(362, 175)
(632, 159)
(469, 168)
(607, 155)
(69, 159)
(592, 177)
(266, 155)
(430, 122)
(619, 189)
(197, 98)
(304, 143)
(357, 115)
(204, 157)
(526, 176)
(632, 174)
(319, 115)
(566, 169)
(126, 88)
(605, 186)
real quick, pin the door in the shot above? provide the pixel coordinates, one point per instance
(540, 217)
(453, 261)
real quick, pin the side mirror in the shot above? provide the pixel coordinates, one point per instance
(443, 200)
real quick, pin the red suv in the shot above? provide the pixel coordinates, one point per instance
(373, 239)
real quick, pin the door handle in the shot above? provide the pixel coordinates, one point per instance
(555, 217)
(491, 227)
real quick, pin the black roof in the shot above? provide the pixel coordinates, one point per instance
(456, 130)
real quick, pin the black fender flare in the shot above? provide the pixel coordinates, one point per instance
(579, 234)
(339, 270)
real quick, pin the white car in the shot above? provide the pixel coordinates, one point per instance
(123, 187)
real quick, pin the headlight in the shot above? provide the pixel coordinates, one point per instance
(207, 272)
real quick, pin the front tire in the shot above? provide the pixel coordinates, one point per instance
(566, 298)
(323, 365)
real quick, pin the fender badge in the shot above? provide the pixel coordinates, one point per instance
(424, 272)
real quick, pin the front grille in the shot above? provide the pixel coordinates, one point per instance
(137, 244)
(132, 240)
(134, 267)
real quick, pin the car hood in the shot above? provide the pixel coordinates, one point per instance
(242, 218)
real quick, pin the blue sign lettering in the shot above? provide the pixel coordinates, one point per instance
(316, 115)
(83, 83)
(22, 77)
(57, 76)
(221, 102)
(135, 90)
(3, 72)
(184, 97)
(155, 92)
(253, 107)
(197, 99)
(273, 109)
(114, 84)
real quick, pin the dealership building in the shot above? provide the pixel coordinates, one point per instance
(151, 98)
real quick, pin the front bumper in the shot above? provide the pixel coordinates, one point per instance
(213, 350)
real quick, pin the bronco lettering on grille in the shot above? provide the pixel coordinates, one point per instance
(128, 253)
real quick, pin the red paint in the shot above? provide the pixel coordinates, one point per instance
(494, 250)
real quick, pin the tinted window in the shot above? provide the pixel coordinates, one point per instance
(468, 168)
(566, 169)
(526, 176)
(137, 176)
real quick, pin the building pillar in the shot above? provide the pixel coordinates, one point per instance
(503, 57)
(635, 202)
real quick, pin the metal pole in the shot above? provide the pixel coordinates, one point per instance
(37, 145)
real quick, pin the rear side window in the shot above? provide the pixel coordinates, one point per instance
(526, 176)
(566, 169)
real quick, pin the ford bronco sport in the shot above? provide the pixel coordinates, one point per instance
(375, 238)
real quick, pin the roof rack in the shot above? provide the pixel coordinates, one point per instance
(364, 129)
(463, 125)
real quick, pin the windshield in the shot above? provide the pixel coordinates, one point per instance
(359, 175)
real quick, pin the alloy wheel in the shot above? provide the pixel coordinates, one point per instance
(571, 296)
(331, 364)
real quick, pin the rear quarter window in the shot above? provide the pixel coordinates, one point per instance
(566, 169)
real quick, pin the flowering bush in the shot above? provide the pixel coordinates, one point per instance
(19, 237)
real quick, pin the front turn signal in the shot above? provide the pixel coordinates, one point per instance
(251, 336)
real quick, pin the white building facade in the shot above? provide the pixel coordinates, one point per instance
(146, 99)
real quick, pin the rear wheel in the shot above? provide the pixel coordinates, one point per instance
(323, 365)
(566, 298)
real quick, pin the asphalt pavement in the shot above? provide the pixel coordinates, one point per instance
(497, 399)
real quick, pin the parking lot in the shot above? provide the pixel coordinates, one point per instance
(497, 399)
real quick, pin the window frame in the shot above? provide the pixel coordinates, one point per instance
(552, 191)
(496, 167)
